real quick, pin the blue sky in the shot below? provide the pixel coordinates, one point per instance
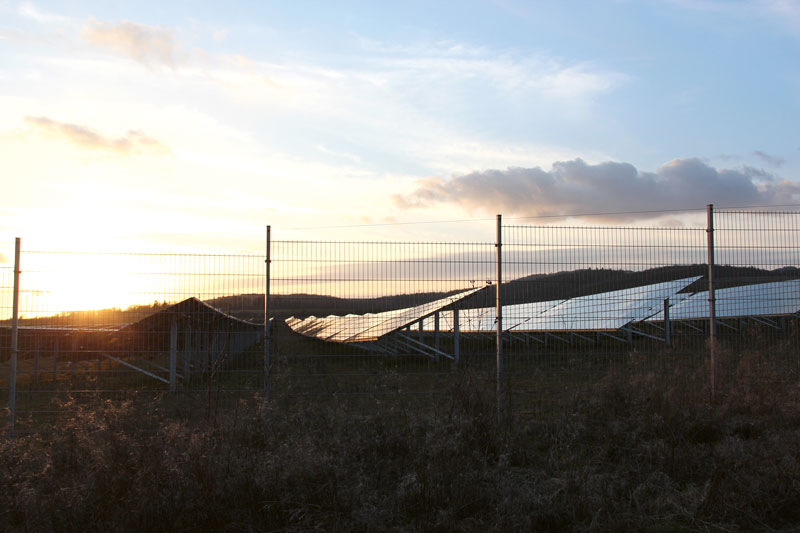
(155, 124)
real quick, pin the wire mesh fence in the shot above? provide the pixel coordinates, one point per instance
(373, 320)
(580, 301)
(369, 324)
(587, 304)
(92, 325)
(757, 299)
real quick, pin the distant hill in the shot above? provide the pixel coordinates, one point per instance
(542, 287)
(109, 317)
(535, 288)
(302, 305)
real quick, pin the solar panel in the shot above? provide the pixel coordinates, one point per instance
(469, 320)
(607, 311)
(762, 299)
(519, 316)
(603, 311)
(361, 328)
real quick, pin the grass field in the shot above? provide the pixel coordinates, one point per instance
(637, 446)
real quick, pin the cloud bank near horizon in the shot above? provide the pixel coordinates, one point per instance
(576, 187)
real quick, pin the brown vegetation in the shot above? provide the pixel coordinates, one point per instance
(641, 452)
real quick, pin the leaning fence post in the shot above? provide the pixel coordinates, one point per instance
(499, 304)
(12, 379)
(667, 325)
(712, 310)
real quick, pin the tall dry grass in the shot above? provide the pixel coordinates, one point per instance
(642, 452)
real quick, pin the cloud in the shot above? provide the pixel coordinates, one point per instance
(509, 71)
(146, 44)
(220, 35)
(769, 159)
(785, 13)
(576, 187)
(133, 142)
(30, 11)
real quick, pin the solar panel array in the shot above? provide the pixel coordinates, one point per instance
(763, 299)
(607, 311)
(370, 326)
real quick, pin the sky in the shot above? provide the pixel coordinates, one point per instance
(191, 125)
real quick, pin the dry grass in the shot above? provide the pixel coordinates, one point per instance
(643, 452)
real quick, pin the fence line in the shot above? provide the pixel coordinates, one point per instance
(94, 325)
(546, 311)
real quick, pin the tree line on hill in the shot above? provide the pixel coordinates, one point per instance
(534, 288)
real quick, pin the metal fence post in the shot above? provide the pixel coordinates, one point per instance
(36, 362)
(499, 305)
(268, 262)
(12, 379)
(436, 330)
(55, 360)
(187, 353)
(712, 311)
(173, 354)
(456, 336)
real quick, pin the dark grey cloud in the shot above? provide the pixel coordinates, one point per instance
(576, 187)
(772, 160)
(132, 142)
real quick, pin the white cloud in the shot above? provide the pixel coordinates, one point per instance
(30, 11)
(507, 70)
(220, 35)
(146, 44)
(786, 11)
(132, 142)
(340, 155)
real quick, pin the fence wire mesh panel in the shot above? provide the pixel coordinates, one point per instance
(95, 325)
(583, 304)
(6, 312)
(381, 320)
(374, 324)
(587, 304)
(757, 298)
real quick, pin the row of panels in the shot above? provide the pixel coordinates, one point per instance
(371, 326)
(764, 299)
(608, 311)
